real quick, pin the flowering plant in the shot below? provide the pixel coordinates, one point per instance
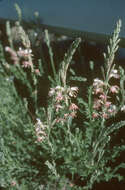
(67, 143)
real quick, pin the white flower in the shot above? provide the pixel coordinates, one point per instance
(39, 124)
(114, 73)
(28, 51)
(98, 82)
(51, 92)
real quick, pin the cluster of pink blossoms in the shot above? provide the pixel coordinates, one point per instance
(62, 99)
(102, 105)
(23, 56)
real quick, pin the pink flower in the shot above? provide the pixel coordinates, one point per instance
(73, 107)
(40, 138)
(95, 115)
(26, 64)
(107, 104)
(114, 89)
(71, 184)
(59, 97)
(103, 97)
(58, 106)
(37, 71)
(105, 115)
(24, 52)
(66, 115)
(97, 104)
(98, 90)
(112, 109)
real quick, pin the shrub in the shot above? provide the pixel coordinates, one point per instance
(48, 148)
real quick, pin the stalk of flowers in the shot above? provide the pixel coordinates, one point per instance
(23, 55)
(20, 56)
(102, 105)
(62, 95)
(62, 100)
(102, 101)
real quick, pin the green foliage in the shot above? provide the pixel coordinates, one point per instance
(47, 149)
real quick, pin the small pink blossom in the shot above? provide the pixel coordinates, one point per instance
(58, 106)
(11, 51)
(73, 107)
(105, 115)
(37, 71)
(107, 104)
(103, 97)
(98, 90)
(26, 64)
(66, 115)
(112, 109)
(95, 115)
(59, 97)
(97, 104)
(114, 89)
(71, 184)
(40, 138)
(24, 52)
